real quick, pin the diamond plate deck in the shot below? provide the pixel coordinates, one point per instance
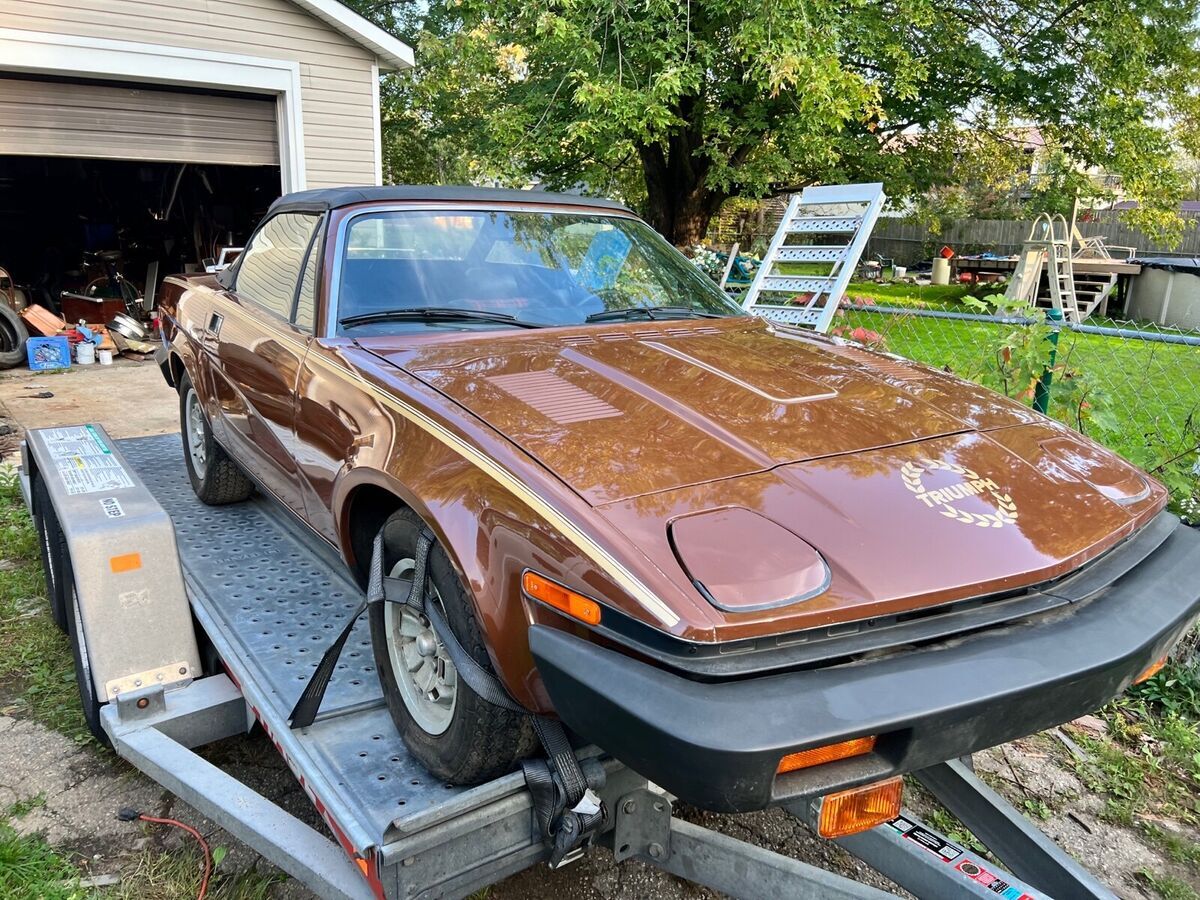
(281, 596)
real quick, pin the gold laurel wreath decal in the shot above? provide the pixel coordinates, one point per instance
(1006, 509)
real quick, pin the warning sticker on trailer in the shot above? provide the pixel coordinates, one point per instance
(85, 462)
(930, 840)
(112, 507)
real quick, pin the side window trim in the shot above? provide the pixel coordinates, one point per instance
(317, 234)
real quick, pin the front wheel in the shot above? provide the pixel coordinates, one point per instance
(215, 477)
(452, 731)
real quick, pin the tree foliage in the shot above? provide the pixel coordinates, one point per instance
(677, 106)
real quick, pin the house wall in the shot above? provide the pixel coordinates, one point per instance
(337, 76)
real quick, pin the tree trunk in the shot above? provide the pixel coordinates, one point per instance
(679, 205)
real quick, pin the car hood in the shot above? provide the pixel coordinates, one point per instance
(621, 411)
(865, 485)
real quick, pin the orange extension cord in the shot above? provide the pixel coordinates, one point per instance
(132, 815)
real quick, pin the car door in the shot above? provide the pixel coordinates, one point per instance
(261, 338)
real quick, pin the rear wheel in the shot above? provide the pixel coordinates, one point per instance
(451, 730)
(215, 477)
(53, 544)
(89, 698)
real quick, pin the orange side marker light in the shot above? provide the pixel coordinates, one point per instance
(564, 600)
(860, 808)
(1153, 669)
(817, 755)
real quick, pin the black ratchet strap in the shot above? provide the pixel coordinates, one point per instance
(564, 800)
(305, 710)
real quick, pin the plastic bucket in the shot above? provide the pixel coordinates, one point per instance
(899, 271)
(85, 353)
(104, 357)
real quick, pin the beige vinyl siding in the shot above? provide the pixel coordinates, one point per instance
(45, 118)
(335, 72)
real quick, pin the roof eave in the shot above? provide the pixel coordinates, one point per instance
(393, 53)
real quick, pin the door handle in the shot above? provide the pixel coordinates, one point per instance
(214, 325)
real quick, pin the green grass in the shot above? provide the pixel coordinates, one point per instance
(169, 876)
(1147, 766)
(1152, 390)
(37, 671)
(31, 870)
(1168, 887)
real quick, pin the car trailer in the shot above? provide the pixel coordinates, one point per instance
(190, 623)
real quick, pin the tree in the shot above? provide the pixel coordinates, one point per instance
(677, 105)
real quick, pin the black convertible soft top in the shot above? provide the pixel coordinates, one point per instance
(332, 198)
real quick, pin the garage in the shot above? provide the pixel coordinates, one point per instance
(103, 180)
(141, 138)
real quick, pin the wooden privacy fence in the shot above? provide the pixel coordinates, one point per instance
(909, 243)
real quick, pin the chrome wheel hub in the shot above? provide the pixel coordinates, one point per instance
(195, 425)
(422, 668)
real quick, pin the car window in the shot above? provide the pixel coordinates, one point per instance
(269, 268)
(544, 268)
(306, 297)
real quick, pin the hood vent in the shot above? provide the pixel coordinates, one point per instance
(554, 397)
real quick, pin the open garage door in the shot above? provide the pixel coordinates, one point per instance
(110, 121)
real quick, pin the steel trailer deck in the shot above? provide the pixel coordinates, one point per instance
(271, 597)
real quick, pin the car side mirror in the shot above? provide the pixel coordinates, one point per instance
(225, 278)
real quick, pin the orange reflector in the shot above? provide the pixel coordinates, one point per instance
(828, 753)
(860, 808)
(1152, 670)
(574, 605)
(126, 563)
(362, 864)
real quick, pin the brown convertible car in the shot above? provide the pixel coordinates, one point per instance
(753, 562)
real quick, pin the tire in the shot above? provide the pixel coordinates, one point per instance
(215, 477)
(13, 336)
(53, 545)
(89, 700)
(477, 741)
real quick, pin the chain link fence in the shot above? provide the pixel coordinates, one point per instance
(1130, 385)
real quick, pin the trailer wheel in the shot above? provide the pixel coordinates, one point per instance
(53, 544)
(89, 700)
(451, 730)
(215, 477)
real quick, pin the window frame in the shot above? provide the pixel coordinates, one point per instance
(314, 246)
(341, 234)
(236, 272)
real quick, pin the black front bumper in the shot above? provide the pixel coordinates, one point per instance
(717, 745)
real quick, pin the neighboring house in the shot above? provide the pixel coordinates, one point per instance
(162, 129)
(313, 65)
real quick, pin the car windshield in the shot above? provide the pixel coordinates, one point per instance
(537, 268)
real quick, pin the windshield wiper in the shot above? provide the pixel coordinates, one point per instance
(652, 312)
(435, 314)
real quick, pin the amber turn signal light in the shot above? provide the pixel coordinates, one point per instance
(574, 605)
(860, 808)
(828, 753)
(1153, 669)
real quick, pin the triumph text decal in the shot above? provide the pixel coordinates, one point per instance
(970, 484)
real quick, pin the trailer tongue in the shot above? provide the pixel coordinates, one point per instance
(268, 598)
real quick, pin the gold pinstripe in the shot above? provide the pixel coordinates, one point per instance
(507, 480)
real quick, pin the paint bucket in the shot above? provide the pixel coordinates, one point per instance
(899, 272)
(85, 353)
(104, 357)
